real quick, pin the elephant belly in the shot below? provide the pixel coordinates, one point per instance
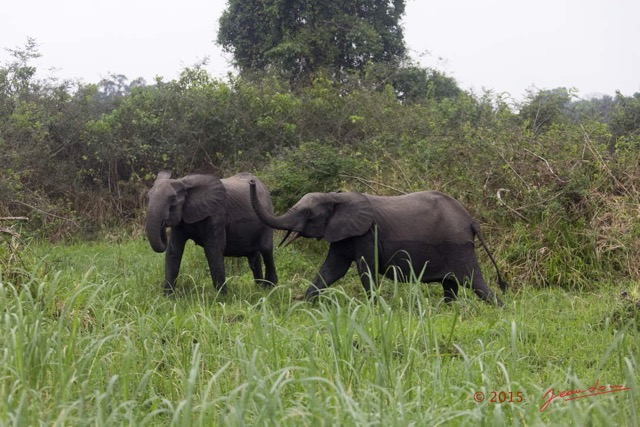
(409, 260)
(241, 239)
(244, 239)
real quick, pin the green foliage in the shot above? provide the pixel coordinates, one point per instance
(311, 167)
(554, 184)
(412, 83)
(301, 37)
(89, 339)
(544, 108)
(625, 117)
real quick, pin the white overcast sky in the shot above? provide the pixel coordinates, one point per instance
(502, 45)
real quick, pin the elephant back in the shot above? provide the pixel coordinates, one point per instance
(237, 187)
(427, 216)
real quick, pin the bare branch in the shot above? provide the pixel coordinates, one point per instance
(548, 165)
(14, 218)
(369, 183)
(503, 203)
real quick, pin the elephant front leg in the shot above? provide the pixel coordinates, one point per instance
(334, 268)
(173, 259)
(368, 274)
(366, 261)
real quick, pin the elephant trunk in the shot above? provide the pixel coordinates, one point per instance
(283, 222)
(155, 228)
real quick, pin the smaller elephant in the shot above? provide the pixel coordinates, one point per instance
(427, 235)
(217, 215)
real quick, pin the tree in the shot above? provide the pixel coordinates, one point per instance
(300, 37)
(412, 83)
(625, 117)
(543, 108)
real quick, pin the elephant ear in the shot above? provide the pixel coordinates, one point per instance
(163, 175)
(352, 216)
(205, 196)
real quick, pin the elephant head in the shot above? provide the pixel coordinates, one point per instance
(329, 216)
(172, 201)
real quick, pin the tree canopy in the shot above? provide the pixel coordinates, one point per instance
(300, 37)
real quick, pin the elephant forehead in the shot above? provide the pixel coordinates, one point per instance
(313, 199)
(162, 187)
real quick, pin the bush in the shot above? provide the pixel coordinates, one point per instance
(312, 167)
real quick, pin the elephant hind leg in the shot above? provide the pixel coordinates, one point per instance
(271, 276)
(481, 289)
(255, 264)
(450, 286)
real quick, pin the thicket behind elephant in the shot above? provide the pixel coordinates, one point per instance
(217, 215)
(427, 233)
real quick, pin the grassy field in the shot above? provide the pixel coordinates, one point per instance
(88, 339)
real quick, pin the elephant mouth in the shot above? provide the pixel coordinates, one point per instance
(295, 235)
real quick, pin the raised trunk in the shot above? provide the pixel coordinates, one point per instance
(283, 222)
(155, 229)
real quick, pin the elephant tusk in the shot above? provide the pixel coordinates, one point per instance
(295, 237)
(286, 243)
(286, 236)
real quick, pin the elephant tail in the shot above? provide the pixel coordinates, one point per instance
(476, 230)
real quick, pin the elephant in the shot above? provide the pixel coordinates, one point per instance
(217, 215)
(426, 235)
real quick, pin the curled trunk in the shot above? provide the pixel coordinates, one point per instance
(283, 222)
(155, 229)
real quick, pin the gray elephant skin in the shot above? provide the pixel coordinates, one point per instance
(217, 215)
(427, 234)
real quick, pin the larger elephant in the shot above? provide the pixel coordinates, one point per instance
(217, 215)
(427, 235)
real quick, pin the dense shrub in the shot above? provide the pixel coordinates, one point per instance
(554, 181)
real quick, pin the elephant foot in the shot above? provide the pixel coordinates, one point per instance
(491, 298)
(312, 293)
(168, 291)
(265, 283)
(273, 280)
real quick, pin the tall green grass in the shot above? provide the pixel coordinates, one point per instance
(88, 339)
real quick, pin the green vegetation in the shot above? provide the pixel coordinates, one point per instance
(89, 340)
(302, 37)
